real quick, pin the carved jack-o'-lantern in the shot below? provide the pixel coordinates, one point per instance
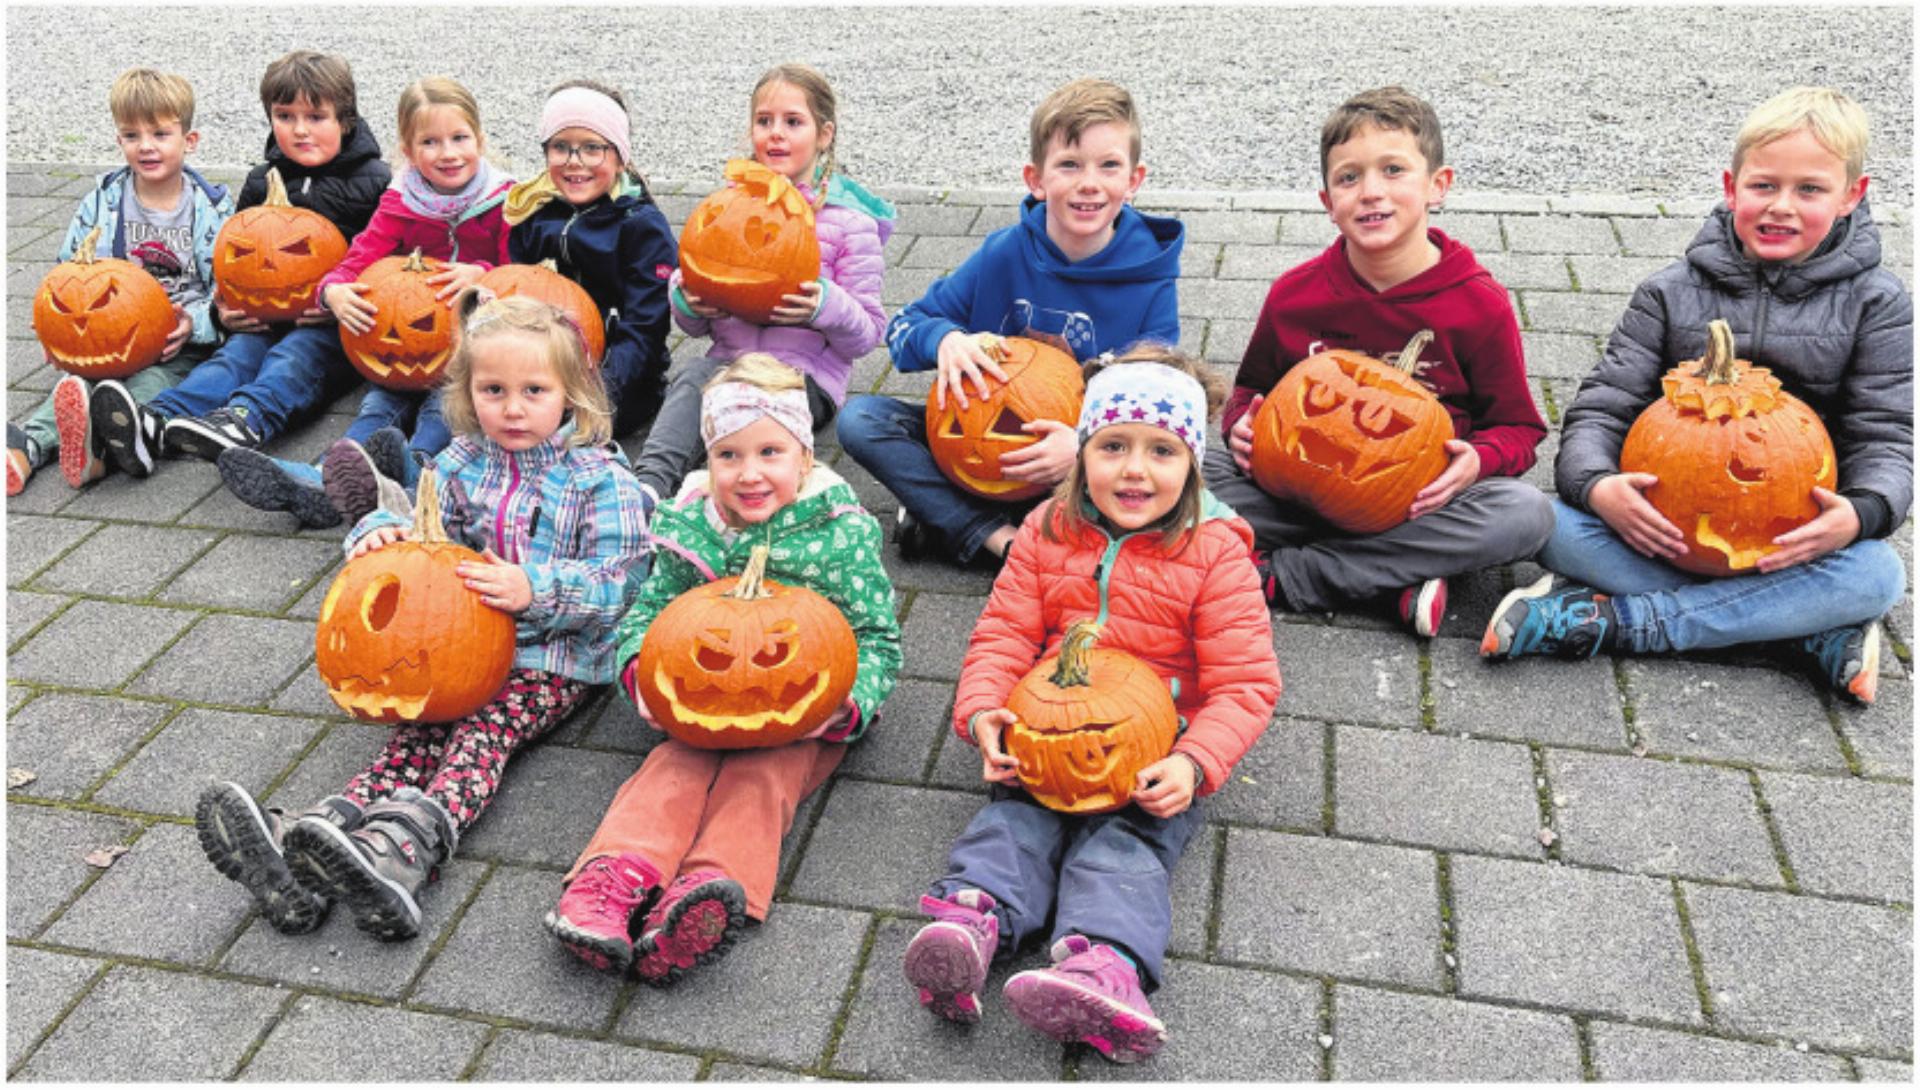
(747, 245)
(1737, 457)
(402, 639)
(1043, 383)
(101, 317)
(412, 335)
(1351, 436)
(268, 260)
(544, 282)
(1088, 720)
(746, 662)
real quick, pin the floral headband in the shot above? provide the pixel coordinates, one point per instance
(730, 406)
(1147, 393)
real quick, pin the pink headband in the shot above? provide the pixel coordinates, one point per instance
(586, 108)
(730, 406)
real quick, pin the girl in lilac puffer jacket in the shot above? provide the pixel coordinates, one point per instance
(820, 330)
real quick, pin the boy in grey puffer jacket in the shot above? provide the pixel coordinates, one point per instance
(1792, 262)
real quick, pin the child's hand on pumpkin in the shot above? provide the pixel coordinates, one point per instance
(454, 279)
(313, 315)
(1619, 502)
(695, 304)
(176, 340)
(963, 356)
(1240, 439)
(236, 321)
(1047, 461)
(799, 307)
(996, 765)
(379, 539)
(1165, 787)
(1835, 527)
(347, 303)
(501, 585)
(1463, 468)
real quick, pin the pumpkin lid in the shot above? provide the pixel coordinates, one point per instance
(1720, 388)
(758, 179)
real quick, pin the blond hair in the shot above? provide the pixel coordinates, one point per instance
(1178, 524)
(429, 91)
(1394, 108)
(479, 316)
(1835, 120)
(323, 79)
(1076, 107)
(143, 95)
(820, 102)
(758, 369)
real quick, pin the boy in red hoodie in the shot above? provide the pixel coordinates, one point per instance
(1388, 276)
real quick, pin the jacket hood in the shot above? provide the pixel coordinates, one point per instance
(110, 185)
(356, 148)
(1212, 509)
(1851, 247)
(1143, 247)
(1456, 266)
(816, 504)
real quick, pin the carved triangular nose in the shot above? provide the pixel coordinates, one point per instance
(391, 336)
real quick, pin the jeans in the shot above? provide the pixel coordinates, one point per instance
(888, 437)
(384, 408)
(673, 447)
(232, 365)
(144, 384)
(1661, 608)
(302, 373)
(1105, 876)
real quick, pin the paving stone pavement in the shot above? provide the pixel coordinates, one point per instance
(1727, 893)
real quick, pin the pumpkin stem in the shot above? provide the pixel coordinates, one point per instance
(1409, 357)
(1073, 668)
(551, 264)
(83, 253)
(753, 577)
(276, 191)
(416, 263)
(1716, 366)
(427, 525)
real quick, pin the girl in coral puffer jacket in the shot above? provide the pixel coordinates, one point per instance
(1133, 541)
(820, 330)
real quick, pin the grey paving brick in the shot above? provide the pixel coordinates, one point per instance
(347, 748)
(519, 1056)
(1182, 201)
(33, 541)
(1545, 272)
(323, 1039)
(1280, 781)
(903, 286)
(69, 740)
(203, 746)
(173, 489)
(45, 847)
(204, 665)
(941, 574)
(221, 509)
(620, 727)
(1227, 340)
(1225, 1025)
(246, 572)
(166, 867)
(731, 1072)
(958, 767)
(1570, 938)
(1659, 817)
(1192, 893)
(46, 493)
(1244, 261)
(1872, 1070)
(501, 938)
(995, 214)
(1735, 713)
(1231, 226)
(1312, 229)
(942, 252)
(24, 356)
(1567, 312)
(209, 1025)
(1560, 234)
(1342, 675)
(1239, 299)
(36, 242)
(1561, 355)
(1881, 733)
(1435, 790)
(124, 561)
(1335, 907)
(1821, 971)
(1845, 836)
(1199, 260)
(1391, 1037)
(1473, 695)
(1479, 231)
(1625, 1053)
(306, 694)
(550, 802)
(1469, 201)
(1665, 237)
(1607, 204)
(934, 638)
(96, 644)
(1612, 273)
(764, 1000)
(40, 987)
(937, 219)
(308, 607)
(846, 864)
(901, 741)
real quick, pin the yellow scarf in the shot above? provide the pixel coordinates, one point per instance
(525, 198)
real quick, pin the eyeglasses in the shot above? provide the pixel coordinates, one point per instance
(590, 155)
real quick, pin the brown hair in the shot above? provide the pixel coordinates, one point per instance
(1076, 107)
(478, 316)
(1393, 108)
(429, 91)
(322, 78)
(1177, 525)
(618, 100)
(144, 95)
(820, 102)
(1835, 120)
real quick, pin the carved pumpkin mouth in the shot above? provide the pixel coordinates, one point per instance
(1084, 756)
(723, 272)
(385, 364)
(267, 298)
(716, 709)
(105, 359)
(1316, 450)
(397, 694)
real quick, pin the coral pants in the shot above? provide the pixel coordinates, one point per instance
(691, 809)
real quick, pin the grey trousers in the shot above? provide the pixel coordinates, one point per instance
(673, 448)
(1321, 567)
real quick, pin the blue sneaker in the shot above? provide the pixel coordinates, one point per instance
(1551, 617)
(1847, 658)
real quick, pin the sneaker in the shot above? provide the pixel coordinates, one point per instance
(380, 868)
(128, 430)
(261, 481)
(80, 461)
(911, 536)
(1847, 658)
(206, 436)
(242, 841)
(1423, 605)
(692, 924)
(1091, 995)
(20, 459)
(594, 919)
(1551, 617)
(947, 961)
(352, 479)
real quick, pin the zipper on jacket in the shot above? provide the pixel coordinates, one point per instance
(565, 257)
(1760, 316)
(500, 514)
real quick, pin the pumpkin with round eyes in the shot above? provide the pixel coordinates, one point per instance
(1353, 437)
(412, 335)
(746, 662)
(747, 245)
(402, 639)
(1043, 383)
(1086, 722)
(544, 282)
(101, 317)
(1737, 457)
(268, 260)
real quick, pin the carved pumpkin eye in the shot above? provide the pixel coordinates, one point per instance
(1007, 425)
(759, 232)
(954, 429)
(424, 323)
(237, 250)
(106, 296)
(1319, 398)
(713, 651)
(1379, 420)
(782, 645)
(54, 297)
(382, 601)
(298, 247)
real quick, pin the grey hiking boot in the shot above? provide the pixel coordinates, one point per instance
(379, 868)
(242, 840)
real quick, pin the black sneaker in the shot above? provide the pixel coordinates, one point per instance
(128, 430)
(911, 536)
(260, 481)
(1551, 617)
(242, 841)
(380, 868)
(387, 450)
(1846, 658)
(205, 437)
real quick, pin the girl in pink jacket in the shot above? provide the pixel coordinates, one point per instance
(820, 330)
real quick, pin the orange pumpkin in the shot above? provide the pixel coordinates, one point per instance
(747, 245)
(268, 260)
(745, 662)
(1737, 456)
(1352, 437)
(402, 639)
(544, 282)
(1043, 383)
(101, 317)
(412, 335)
(1087, 721)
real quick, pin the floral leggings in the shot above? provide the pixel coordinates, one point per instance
(459, 764)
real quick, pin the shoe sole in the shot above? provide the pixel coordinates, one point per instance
(1429, 608)
(1498, 638)
(1865, 684)
(74, 423)
(942, 964)
(1068, 1012)
(16, 480)
(696, 931)
(257, 482)
(116, 420)
(334, 864)
(187, 436)
(351, 482)
(239, 844)
(603, 952)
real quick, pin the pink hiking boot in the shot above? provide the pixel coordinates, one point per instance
(594, 919)
(1091, 994)
(947, 960)
(692, 924)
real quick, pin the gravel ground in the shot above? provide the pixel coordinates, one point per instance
(1625, 100)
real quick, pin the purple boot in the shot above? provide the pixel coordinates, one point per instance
(947, 961)
(1091, 994)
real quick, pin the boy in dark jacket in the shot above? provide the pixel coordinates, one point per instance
(1388, 276)
(1792, 262)
(266, 377)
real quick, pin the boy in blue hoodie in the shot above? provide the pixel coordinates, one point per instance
(1081, 270)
